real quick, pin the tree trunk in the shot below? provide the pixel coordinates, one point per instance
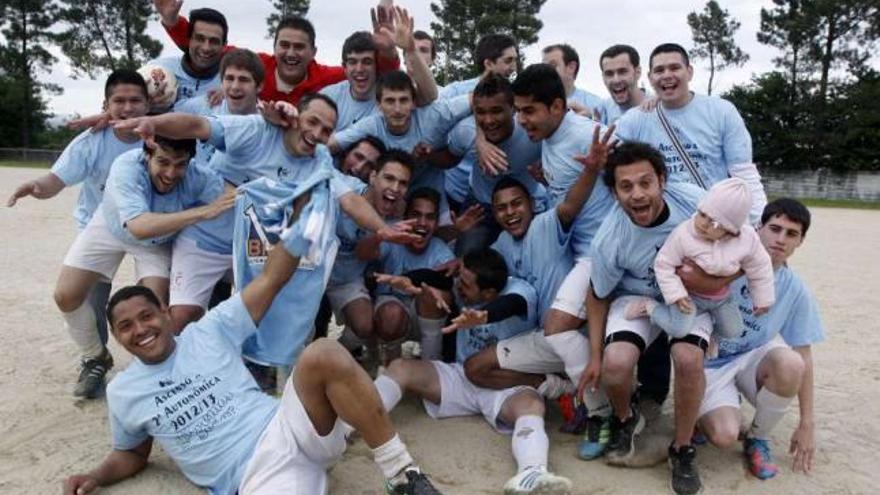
(129, 43)
(794, 63)
(827, 56)
(26, 81)
(711, 70)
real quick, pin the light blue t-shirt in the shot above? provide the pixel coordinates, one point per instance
(348, 267)
(542, 257)
(458, 88)
(251, 148)
(473, 340)
(188, 86)
(573, 137)
(397, 259)
(201, 404)
(262, 210)
(87, 159)
(623, 253)
(130, 193)
(430, 125)
(585, 99)
(521, 152)
(794, 316)
(610, 111)
(349, 109)
(710, 129)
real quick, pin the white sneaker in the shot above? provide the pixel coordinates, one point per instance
(554, 386)
(537, 481)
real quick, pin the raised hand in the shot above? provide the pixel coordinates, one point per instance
(168, 10)
(382, 18)
(142, 126)
(468, 318)
(467, 220)
(599, 149)
(399, 282)
(279, 113)
(398, 232)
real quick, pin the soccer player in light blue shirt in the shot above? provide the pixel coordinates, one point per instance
(621, 71)
(193, 395)
(710, 129)
(567, 63)
(356, 96)
(779, 342)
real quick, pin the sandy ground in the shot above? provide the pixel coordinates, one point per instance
(46, 435)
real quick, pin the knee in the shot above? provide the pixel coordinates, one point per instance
(616, 367)
(476, 367)
(362, 327)
(560, 321)
(526, 403)
(66, 299)
(396, 370)
(688, 360)
(325, 357)
(389, 324)
(723, 435)
(787, 369)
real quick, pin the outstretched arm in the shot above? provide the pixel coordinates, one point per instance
(150, 225)
(44, 187)
(171, 125)
(365, 216)
(582, 188)
(119, 465)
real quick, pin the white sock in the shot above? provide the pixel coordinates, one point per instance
(432, 337)
(389, 391)
(574, 351)
(392, 457)
(769, 410)
(529, 443)
(83, 329)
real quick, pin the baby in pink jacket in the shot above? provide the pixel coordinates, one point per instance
(720, 242)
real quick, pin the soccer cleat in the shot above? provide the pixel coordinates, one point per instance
(621, 445)
(685, 478)
(537, 480)
(555, 386)
(596, 439)
(410, 482)
(758, 458)
(90, 383)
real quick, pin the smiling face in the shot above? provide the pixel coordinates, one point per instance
(293, 54)
(538, 120)
(360, 71)
(781, 235)
(505, 65)
(167, 167)
(205, 45)
(639, 190)
(621, 78)
(143, 329)
(240, 90)
(315, 125)
(360, 161)
(494, 115)
(388, 186)
(397, 106)
(513, 210)
(707, 228)
(126, 101)
(670, 77)
(424, 211)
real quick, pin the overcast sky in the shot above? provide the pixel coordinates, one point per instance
(588, 29)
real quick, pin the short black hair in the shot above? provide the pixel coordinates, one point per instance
(369, 139)
(791, 208)
(424, 193)
(125, 76)
(395, 80)
(209, 16)
(489, 267)
(669, 48)
(398, 156)
(298, 23)
(358, 42)
(541, 82)
(569, 54)
(615, 50)
(243, 58)
(492, 85)
(308, 98)
(629, 153)
(127, 293)
(421, 35)
(187, 146)
(490, 47)
(508, 182)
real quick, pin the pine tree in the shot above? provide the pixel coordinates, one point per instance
(284, 8)
(788, 27)
(713, 31)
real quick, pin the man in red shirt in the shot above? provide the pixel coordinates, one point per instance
(291, 71)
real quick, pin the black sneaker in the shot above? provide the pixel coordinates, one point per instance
(685, 477)
(90, 383)
(623, 433)
(410, 482)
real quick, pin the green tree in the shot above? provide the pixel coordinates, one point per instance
(789, 28)
(26, 27)
(105, 36)
(713, 31)
(284, 8)
(462, 22)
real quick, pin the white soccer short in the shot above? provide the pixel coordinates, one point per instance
(342, 294)
(642, 327)
(290, 456)
(460, 397)
(195, 272)
(96, 249)
(724, 384)
(572, 294)
(528, 352)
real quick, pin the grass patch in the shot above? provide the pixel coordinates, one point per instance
(842, 203)
(16, 163)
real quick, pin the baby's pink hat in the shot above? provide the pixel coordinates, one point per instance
(728, 203)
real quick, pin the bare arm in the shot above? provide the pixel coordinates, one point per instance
(44, 187)
(368, 248)
(119, 465)
(443, 159)
(803, 440)
(426, 87)
(695, 279)
(173, 125)
(149, 225)
(580, 191)
(365, 216)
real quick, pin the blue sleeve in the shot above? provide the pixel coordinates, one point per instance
(210, 184)
(121, 438)
(359, 130)
(803, 326)
(737, 143)
(442, 115)
(231, 319)
(76, 161)
(339, 186)
(550, 230)
(236, 134)
(462, 137)
(605, 273)
(628, 125)
(130, 191)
